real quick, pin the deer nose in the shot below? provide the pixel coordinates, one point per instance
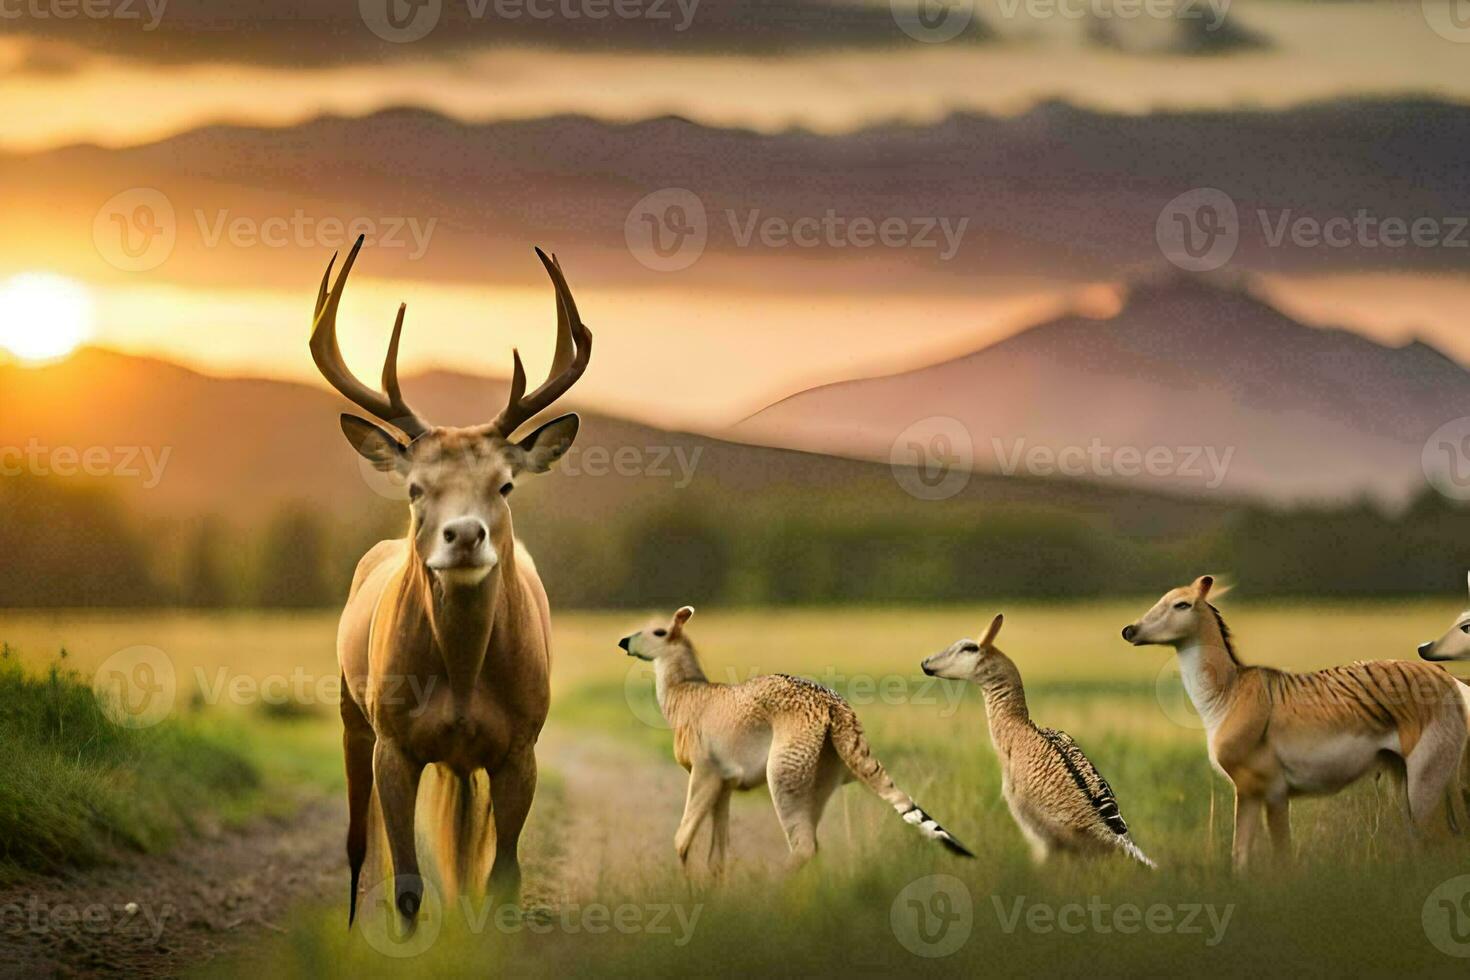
(1129, 632)
(466, 532)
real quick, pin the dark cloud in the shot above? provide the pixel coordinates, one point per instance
(316, 33)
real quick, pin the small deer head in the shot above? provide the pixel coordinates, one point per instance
(966, 660)
(459, 479)
(1454, 645)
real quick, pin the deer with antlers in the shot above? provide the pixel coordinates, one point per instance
(457, 609)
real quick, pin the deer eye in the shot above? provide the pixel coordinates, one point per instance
(1465, 627)
(415, 491)
(660, 632)
(1182, 605)
(505, 490)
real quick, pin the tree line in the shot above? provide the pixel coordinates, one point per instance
(65, 545)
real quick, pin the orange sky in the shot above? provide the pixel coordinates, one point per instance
(690, 357)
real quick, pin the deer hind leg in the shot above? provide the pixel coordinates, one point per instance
(719, 839)
(397, 780)
(1430, 768)
(791, 773)
(512, 787)
(1278, 821)
(706, 785)
(357, 748)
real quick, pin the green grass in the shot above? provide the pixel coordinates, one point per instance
(1354, 901)
(77, 788)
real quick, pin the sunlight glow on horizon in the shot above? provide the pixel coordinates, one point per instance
(44, 317)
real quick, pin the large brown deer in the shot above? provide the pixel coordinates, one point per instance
(454, 613)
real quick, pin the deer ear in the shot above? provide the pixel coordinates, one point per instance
(375, 445)
(1202, 586)
(1467, 578)
(549, 443)
(682, 616)
(991, 632)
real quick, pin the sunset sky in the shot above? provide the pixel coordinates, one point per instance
(697, 351)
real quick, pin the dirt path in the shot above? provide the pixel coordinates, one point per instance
(612, 820)
(160, 915)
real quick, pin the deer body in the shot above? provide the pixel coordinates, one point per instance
(1276, 734)
(798, 737)
(445, 642)
(1055, 794)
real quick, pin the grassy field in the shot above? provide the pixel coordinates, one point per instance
(609, 897)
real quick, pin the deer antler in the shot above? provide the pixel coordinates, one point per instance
(390, 408)
(573, 351)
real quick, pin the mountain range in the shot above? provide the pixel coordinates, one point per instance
(1195, 383)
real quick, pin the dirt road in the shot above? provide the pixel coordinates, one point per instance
(616, 807)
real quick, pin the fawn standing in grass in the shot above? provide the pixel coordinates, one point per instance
(1276, 734)
(794, 735)
(1058, 799)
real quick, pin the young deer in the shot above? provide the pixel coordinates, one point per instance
(1454, 645)
(796, 736)
(1058, 799)
(1277, 735)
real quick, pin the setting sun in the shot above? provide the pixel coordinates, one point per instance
(43, 317)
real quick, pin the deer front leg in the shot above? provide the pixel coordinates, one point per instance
(705, 786)
(512, 786)
(1247, 820)
(396, 777)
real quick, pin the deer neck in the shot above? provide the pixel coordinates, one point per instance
(1208, 670)
(676, 677)
(467, 621)
(1005, 700)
